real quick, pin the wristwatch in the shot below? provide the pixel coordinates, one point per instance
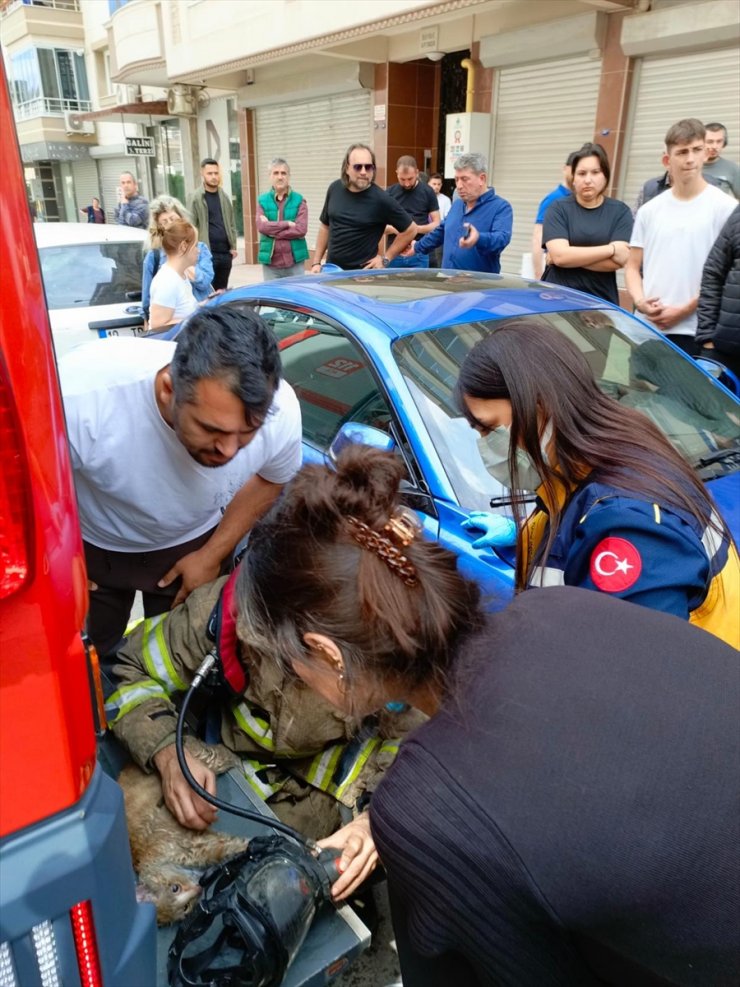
(385, 260)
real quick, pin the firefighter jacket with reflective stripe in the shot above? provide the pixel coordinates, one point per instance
(278, 728)
(643, 552)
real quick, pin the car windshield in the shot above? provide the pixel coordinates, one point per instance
(84, 274)
(630, 364)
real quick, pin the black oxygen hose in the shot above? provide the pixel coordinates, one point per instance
(206, 665)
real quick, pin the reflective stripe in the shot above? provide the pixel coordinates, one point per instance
(656, 513)
(132, 625)
(254, 726)
(390, 747)
(712, 540)
(323, 767)
(264, 789)
(547, 576)
(365, 751)
(128, 697)
(156, 656)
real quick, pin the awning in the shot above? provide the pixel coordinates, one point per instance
(142, 112)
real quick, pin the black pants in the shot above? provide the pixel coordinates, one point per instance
(684, 342)
(728, 360)
(118, 575)
(221, 271)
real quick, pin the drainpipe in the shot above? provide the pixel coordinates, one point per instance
(469, 65)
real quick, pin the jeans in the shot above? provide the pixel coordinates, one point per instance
(413, 261)
(270, 273)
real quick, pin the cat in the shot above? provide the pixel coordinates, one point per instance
(167, 857)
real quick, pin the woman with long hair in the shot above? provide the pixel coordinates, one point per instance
(163, 211)
(587, 234)
(172, 299)
(555, 822)
(618, 508)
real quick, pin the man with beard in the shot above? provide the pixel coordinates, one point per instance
(717, 167)
(213, 217)
(177, 449)
(355, 215)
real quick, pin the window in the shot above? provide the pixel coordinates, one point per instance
(329, 374)
(49, 80)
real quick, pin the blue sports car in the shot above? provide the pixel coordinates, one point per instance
(374, 356)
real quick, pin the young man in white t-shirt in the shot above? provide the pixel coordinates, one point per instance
(177, 449)
(672, 236)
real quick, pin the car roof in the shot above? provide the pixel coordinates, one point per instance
(411, 299)
(63, 234)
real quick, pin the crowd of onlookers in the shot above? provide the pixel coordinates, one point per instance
(678, 246)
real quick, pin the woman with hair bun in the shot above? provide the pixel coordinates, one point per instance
(163, 211)
(587, 234)
(618, 508)
(172, 299)
(555, 821)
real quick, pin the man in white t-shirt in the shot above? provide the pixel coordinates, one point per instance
(177, 449)
(672, 236)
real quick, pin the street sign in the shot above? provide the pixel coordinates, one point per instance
(140, 146)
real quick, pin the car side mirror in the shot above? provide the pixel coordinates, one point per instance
(355, 433)
(133, 296)
(720, 372)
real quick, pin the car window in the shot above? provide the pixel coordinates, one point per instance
(630, 363)
(83, 274)
(329, 374)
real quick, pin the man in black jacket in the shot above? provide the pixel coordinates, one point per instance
(718, 311)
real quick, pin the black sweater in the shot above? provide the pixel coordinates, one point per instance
(571, 818)
(718, 312)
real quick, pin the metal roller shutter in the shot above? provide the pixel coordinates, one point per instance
(86, 185)
(110, 174)
(313, 138)
(542, 112)
(704, 84)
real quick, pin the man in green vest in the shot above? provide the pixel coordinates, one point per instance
(282, 221)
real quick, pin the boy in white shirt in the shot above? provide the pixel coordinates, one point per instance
(672, 236)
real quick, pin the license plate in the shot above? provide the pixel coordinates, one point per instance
(128, 331)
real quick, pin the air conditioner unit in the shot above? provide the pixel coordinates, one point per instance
(127, 94)
(74, 124)
(182, 101)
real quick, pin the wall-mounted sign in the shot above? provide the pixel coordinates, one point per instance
(429, 38)
(140, 146)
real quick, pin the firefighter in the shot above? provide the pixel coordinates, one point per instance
(313, 766)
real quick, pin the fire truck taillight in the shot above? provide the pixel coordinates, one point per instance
(7, 970)
(16, 516)
(86, 945)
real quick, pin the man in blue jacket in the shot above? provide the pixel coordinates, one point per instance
(477, 227)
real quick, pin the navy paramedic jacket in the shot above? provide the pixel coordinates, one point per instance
(643, 552)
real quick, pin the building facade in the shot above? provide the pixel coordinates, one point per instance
(302, 79)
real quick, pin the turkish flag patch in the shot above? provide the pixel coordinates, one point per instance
(615, 565)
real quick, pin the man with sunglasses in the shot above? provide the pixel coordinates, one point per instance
(355, 215)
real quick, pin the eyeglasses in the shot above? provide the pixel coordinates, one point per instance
(363, 167)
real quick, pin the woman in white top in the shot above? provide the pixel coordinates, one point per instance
(171, 294)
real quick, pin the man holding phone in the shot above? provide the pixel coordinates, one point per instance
(477, 227)
(132, 208)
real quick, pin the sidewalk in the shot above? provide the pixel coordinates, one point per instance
(243, 274)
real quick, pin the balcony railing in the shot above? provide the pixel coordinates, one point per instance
(6, 6)
(45, 106)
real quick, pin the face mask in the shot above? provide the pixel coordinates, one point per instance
(494, 451)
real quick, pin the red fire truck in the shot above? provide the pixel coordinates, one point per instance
(68, 911)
